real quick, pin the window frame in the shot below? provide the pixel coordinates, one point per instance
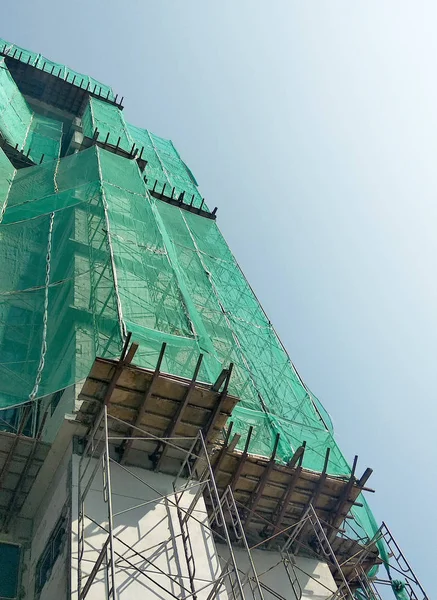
(19, 570)
(52, 550)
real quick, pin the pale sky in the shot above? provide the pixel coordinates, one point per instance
(313, 127)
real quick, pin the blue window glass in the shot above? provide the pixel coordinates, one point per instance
(10, 555)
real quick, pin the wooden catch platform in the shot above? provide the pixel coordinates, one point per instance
(271, 498)
(163, 405)
(41, 83)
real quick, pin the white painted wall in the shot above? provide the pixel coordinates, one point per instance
(314, 576)
(152, 530)
(55, 420)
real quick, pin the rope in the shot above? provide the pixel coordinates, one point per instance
(34, 392)
(5, 203)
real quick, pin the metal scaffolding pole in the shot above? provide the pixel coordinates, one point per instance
(108, 491)
(98, 449)
(195, 477)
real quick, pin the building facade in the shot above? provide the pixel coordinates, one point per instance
(156, 437)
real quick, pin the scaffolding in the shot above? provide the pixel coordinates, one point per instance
(112, 236)
(400, 576)
(193, 485)
(195, 473)
(134, 247)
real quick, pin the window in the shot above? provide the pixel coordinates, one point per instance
(55, 401)
(10, 555)
(51, 553)
(10, 420)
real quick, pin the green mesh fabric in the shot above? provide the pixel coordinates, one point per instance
(108, 119)
(38, 136)
(122, 261)
(15, 114)
(173, 279)
(165, 171)
(165, 166)
(67, 192)
(63, 72)
(87, 254)
(44, 139)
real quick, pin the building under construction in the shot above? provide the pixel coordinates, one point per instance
(156, 441)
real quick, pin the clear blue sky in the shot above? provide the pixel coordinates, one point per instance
(313, 127)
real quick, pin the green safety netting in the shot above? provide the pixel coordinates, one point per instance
(164, 165)
(43, 141)
(63, 72)
(165, 274)
(36, 135)
(15, 114)
(88, 254)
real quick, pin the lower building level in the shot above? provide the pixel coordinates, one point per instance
(132, 485)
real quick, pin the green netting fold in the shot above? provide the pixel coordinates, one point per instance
(15, 114)
(109, 120)
(44, 139)
(55, 216)
(38, 136)
(52, 186)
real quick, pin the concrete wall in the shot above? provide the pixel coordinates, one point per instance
(152, 530)
(55, 500)
(314, 576)
(149, 537)
(55, 420)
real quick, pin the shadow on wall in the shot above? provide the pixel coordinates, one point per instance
(149, 552)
